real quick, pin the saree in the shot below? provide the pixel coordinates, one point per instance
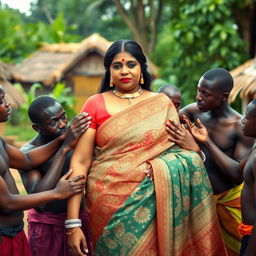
(130, 214)
(229, 214)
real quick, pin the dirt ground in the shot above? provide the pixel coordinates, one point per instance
(22, 190)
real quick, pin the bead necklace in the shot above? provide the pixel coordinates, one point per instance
(128, 96)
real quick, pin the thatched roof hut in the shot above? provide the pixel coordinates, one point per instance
(244, 82)
(79, 65)
(50, 63)
(11, 93)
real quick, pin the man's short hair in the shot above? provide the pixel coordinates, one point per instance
(37, 107)
(220, 77)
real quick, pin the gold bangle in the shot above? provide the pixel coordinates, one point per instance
(73, 231)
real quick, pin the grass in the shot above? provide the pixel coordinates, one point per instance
(23, 132)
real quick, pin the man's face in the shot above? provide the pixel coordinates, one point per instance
(175, 97)
(249, 121)
(54, 121)
(5, 108)
(208, 97)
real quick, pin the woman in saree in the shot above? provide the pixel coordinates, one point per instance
(169, 212)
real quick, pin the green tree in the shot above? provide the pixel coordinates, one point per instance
(60, 92)
(143, 19)
(19, 39)
(86, 16)
(14, 44)
(199, 36)
(244, 13)
(65, 98)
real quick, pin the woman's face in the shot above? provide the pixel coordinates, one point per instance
(125, 72)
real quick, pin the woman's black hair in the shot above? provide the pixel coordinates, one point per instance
(135, 50)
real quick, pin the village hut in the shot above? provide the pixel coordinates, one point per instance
(11, 93)
(244, 83)
(79, 65)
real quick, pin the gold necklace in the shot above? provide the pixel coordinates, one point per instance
(128, 96)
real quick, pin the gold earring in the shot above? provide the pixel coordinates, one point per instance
(141, 79)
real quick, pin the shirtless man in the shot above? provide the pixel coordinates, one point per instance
(46, 231)
(12, 238)
(224, 148)
(248, 195)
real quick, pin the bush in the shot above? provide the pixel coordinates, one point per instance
(60, 93)
(199, 36)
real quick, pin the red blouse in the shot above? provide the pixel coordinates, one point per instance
(96, 108)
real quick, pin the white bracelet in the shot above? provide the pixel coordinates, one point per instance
(203, 156)
(71, 221)
(74, 225)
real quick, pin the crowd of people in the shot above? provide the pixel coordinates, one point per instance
(134, 173)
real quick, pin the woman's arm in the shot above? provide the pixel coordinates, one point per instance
(80, 164)
(231, 167)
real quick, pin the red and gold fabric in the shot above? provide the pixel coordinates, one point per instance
(130, 214)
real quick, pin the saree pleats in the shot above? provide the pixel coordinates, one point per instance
(187, 223)
(133, 226)
(130, 214)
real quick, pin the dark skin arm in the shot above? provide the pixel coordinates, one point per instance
(230, 167)
(65, 188)
(251, 248)
(35, 157)
(180, 136)
(187, 111)
(33, 179)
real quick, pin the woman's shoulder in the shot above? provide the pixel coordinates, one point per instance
(91, 103)
(154, 93)
(149, 94)
(95, 97)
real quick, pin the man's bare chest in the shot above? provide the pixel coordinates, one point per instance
(224, 134)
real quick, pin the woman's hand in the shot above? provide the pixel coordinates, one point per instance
(200, 133)
(181, 136)
(77, 243)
